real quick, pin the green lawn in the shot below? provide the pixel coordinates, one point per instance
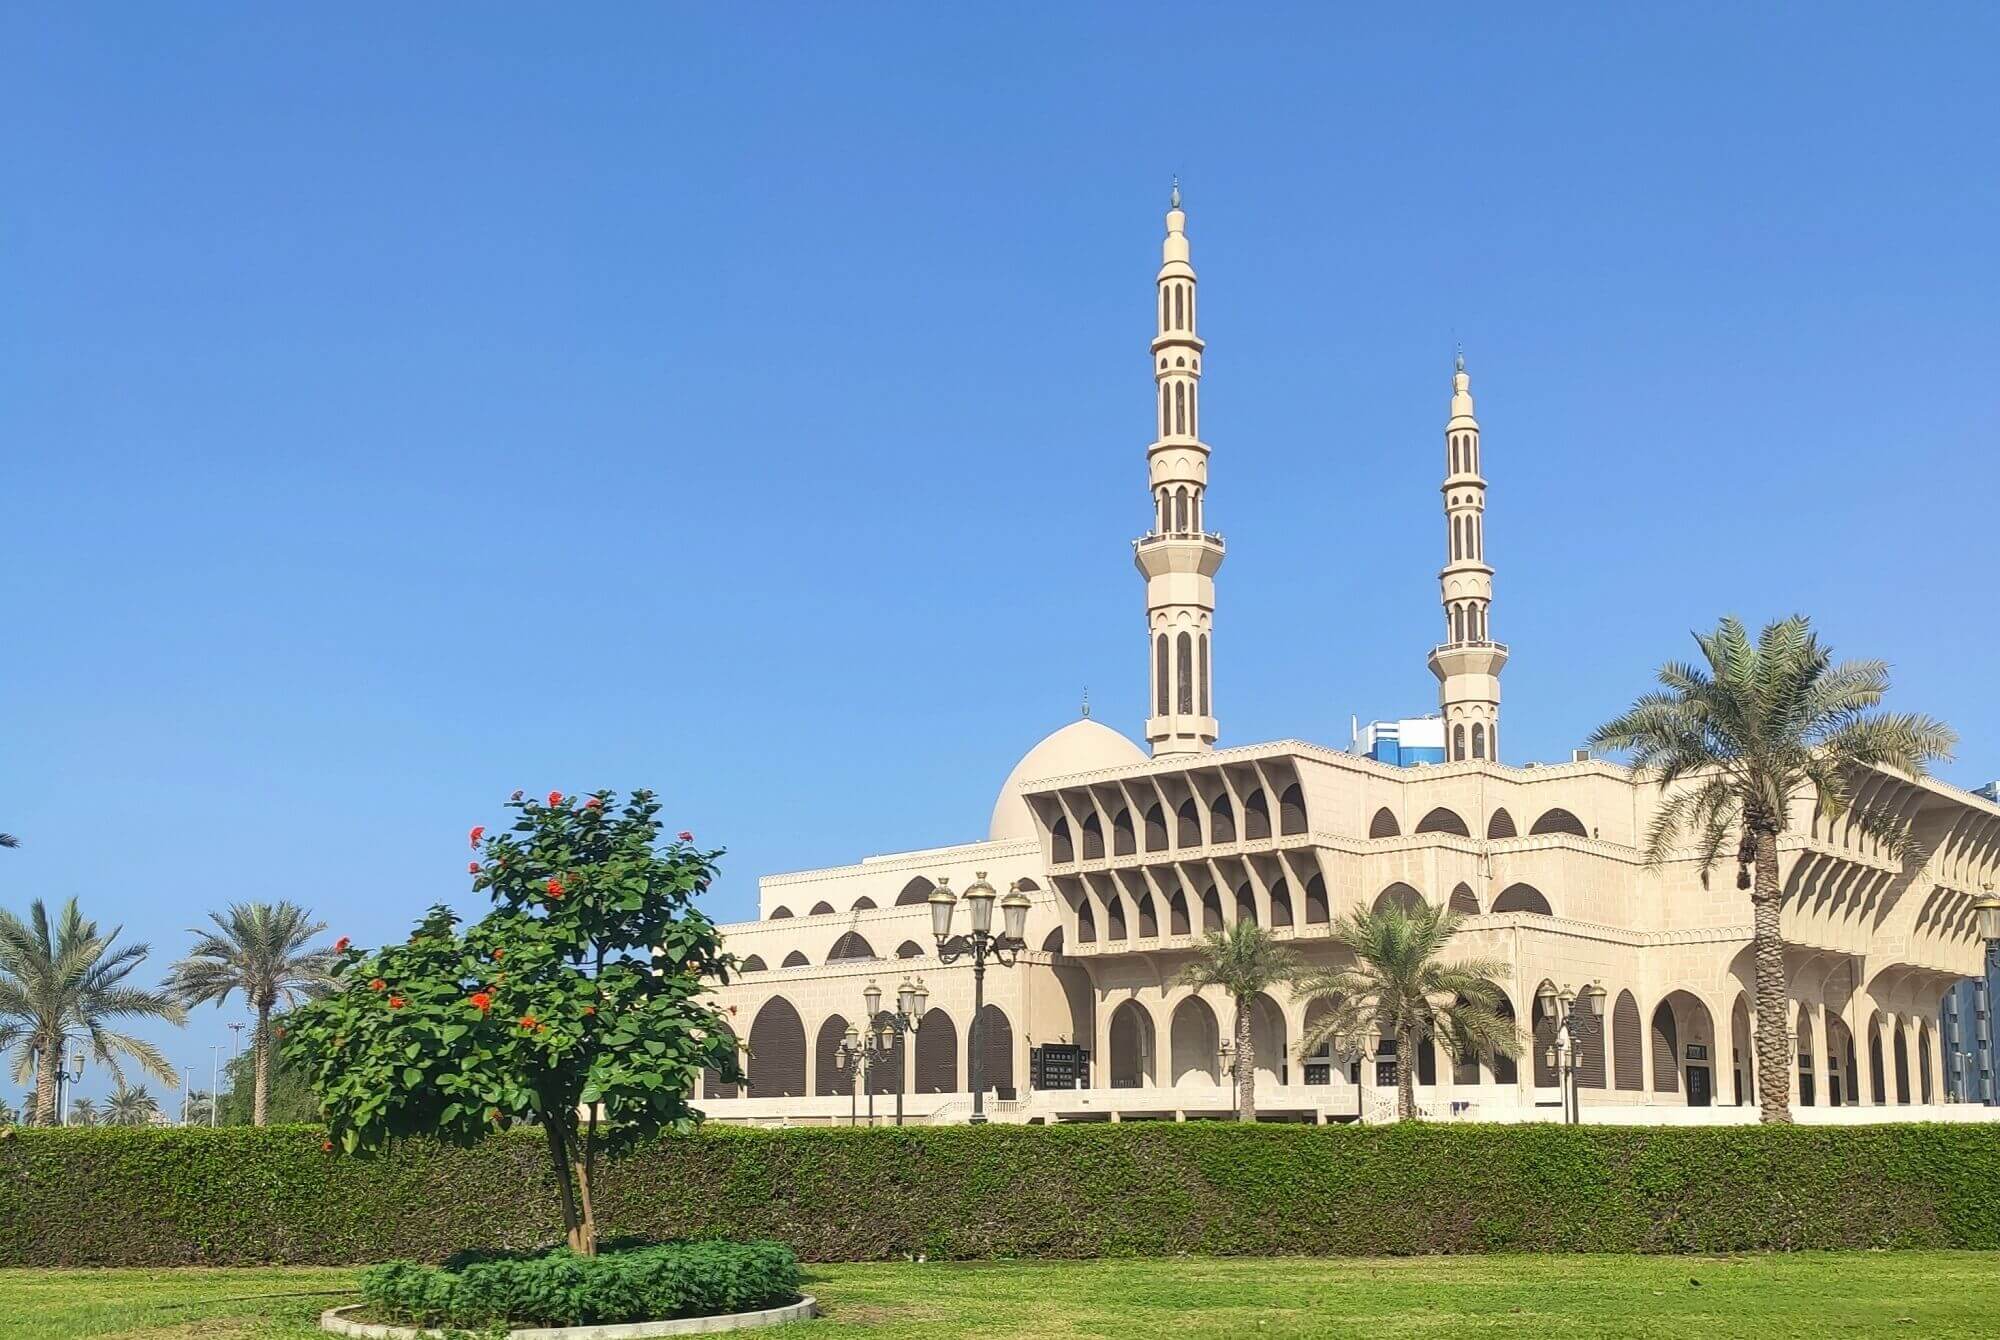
(1918, 1294)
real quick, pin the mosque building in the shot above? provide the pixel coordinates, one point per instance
(1125, 856)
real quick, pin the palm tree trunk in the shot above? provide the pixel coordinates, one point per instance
(1406, 1089)
(45, 1083)
(262, 1088)
(1246, 1066)
(1774, 1060)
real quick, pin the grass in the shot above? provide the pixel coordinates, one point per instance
(1913, 1294)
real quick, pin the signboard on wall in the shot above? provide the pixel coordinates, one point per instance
(1059, 1065)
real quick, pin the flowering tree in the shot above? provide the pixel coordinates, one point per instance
(575, 1003)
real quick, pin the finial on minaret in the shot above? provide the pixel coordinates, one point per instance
(1086, 701)
(1458, 360)
(1174, 201)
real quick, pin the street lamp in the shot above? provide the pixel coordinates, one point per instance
(68, 1071)
(1573, 1025)
(982, 944)
(863, 1049)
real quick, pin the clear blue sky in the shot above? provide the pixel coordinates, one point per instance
(404, 405)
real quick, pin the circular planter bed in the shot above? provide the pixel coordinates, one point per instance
(339, 1321)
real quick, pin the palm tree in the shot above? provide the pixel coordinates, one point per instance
(260, 950)
(9, 840)
(1244, 960)
(197, 1108)
(129, 1107)
(83, 1112)
(65, 983)
(1756, 729)
(8, 1116)
(1399, 987)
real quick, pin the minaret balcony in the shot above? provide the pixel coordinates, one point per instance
(1178, 551)
(1471, 657)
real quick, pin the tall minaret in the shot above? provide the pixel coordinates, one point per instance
(1178, 556)
(1468, 661)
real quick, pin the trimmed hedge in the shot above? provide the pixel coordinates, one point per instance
(560, 1288)
(237, 1196)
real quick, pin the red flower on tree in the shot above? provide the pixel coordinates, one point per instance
(593, 804)
(395, 1002)
(478, 832)
(528, 1022)
(340, 945)
(555, 888)
(378, 985)
(685, 836)
(482, 1001)
(326, 1146)
(590, 1009)
(472, 867)
(555, 799)
(499, 954)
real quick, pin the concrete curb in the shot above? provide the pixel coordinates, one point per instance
(333, 1320)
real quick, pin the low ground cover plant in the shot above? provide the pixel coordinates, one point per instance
(562, 1288)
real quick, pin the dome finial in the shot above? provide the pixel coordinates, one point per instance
(1459, 358)
(1086, 701)
(1174, 200)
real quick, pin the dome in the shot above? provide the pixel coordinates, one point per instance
(1082, 746)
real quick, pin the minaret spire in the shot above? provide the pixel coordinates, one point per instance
(1178, 557)
(1468, 662)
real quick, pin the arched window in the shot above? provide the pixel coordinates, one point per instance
(1666, 1051)
(1093, 837)
(1114, 918)
(994, 1040)
(778, 1051)
(1156, 829)
(1458, 623)
(1149, 923)
(1281, 904)
(1559, 821)
(1180, 509)
(1501, 825)
(795, 959)
(1194, 409)
(821, 909)
(916, 893)
(1052, 943)
(1256, 816)
(1201, 656)
(1184, 656)
(1177, 914)
(1317, 913)
(1221, 820)
(1246, 904)
(1121, 834)
(1504, 1071)
(751, 964)
(1626, 1066)
(1211, 911)
(711, 1078)
(937, 1053)
(1160, 675)
(850, 945)
(1180, 407)
(1166, 412)
(1061, 850)
(1478, 740)
(864, 904)
(1522, 898)
(1544, 1030)
(1180, 308)
(1165, 513)
(1292, 810)
(1400, 895)
(1464, 901)
(1086, 923)
(1384, 824)
(779, 913)
(1442, 820)
(1166, 316)
(909, 949)
(1457, 743)
(829, 1076)
(1187, 825)
(1456, 532)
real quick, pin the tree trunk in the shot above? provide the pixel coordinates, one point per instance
(45, 1083)
(565, 1190)
(262, 1042)
(1406, 1089)
(1246, 1066)
(1774, 1049)
(583, 1239)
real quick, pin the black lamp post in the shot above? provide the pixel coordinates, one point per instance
(981, 943)
(1986, 908)
(1573, 1025)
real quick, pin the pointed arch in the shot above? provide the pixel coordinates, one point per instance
(1501, 825)
(821, 908)
(909, 949)
(1211, 911)
(1666, 1050)
(829, 1076)
(1156, 829)
(1559, 820)
(995, 1041)
(1114, 920)
(851, 945)
(1093, 837)
(1544, 1032)
(796, 959)
(777, 1051)
(887, 1071)
(1522, 898)
(1246, 904)
(1627, 1067)
(1317, 911)
(1187, 824)
(863, 904)
(779, 913)
(1149, 924)
(1504, 1069)
(1384, 824)
(1399, 895)
(1292, 810)
(1221, 819)
(1086, 923)
(1052, 943)
(1463, 900)
(1061, 850)
(1160, 675)
(1256, 816)
(1195, 1041)
(751, 964)
(1177, 914)
(937, 1053)
(1122, 841)
(1281, 904)
(1130, 1034)
(711, 1078)
(916, 893)
(1443, 820)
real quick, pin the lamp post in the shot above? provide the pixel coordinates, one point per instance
(1573, 1025)
(68, 1071)
(1986, 908)
(981, 943)
(884, 1034)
